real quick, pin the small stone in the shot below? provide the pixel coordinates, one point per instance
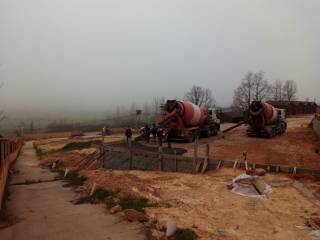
(116, 209)
(133, 215)
(157, 235)
(260, 172)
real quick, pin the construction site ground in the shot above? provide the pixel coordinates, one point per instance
(297, 147)
(204, 204)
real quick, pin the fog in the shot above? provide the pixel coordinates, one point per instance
(81, 56)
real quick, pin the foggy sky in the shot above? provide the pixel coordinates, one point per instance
(93, 55)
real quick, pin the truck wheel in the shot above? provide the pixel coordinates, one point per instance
(213, 131)
(190, 137)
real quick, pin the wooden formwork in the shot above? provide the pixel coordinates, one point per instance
(9, 151)
(131, 158)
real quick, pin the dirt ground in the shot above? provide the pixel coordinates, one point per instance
(203, 203)
(294, 148)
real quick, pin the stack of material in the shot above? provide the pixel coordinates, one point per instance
(250, 186)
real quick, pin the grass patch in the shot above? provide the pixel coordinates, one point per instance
(184, 234)
(138, 204)
(101, 194)
(59, 170)
(110, 202)
(38, 150)
(80, 145)
(75, 179)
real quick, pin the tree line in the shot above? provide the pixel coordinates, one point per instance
(255, 87)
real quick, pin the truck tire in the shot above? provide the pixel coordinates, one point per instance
(213, 131)
(191, 137)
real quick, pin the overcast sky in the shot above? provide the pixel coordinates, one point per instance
(91, 54)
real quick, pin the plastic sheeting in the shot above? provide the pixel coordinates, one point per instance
(248, 190)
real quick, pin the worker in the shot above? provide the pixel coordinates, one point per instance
(128, 133)
(160, 135)
(154, 131)
(103, 131)
(147, 132)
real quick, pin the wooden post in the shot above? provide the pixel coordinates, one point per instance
(235, 164)
(206, 159)
(175, 160)
(195, 154)
(160, 159)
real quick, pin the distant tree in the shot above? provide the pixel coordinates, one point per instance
(31, 127)
(277, 93)
(261, 87)
(254, 87)
(156, 108)
(290, 90)
(200, 96)
(243, 94)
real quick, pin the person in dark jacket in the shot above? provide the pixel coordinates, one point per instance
(169, 138)
(147, 132)
(154, 131)
(160, 135)
(128, 133)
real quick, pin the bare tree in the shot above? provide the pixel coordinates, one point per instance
(200, 96)
(261, 87)
(254, 87)
(277, 93)
(155, 108)
(290, 90)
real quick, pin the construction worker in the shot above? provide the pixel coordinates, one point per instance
(160, 135)
(154, 131)
(147, 132)
(128, 133)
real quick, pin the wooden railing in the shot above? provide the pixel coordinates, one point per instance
(9, 151)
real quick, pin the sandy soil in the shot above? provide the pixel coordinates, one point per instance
(204, 203)
(294, 148)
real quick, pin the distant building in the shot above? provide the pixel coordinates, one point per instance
(295, 107)
(230, 115)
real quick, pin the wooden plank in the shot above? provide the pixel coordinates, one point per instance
(195, 154)
(206, 159)
(219, 164)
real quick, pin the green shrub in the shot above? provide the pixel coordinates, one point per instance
(138, 204)
(75, 179)
(110, 202)
(101, 194)
(80, 145)
(184, 234)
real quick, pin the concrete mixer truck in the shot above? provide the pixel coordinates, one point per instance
(266, 120)
(186, 121)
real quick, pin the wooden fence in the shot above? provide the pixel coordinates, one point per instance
(9, 151)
